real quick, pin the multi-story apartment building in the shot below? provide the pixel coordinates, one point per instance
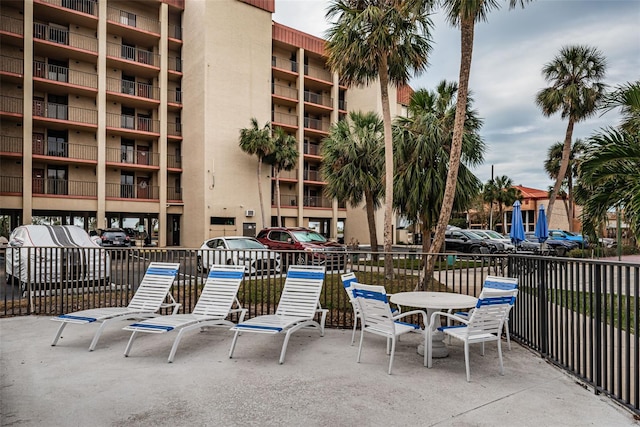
(120, 113)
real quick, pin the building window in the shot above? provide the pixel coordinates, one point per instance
(127, 186)
(57, 107)
(221, 220)
(57, 180)
(128, 117)
(127, 150)
(58, 70)
(57, 143)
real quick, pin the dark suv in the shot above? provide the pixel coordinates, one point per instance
(114, 238)
(317, 250)
(468, 242)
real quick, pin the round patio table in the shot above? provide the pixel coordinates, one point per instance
(432, 302)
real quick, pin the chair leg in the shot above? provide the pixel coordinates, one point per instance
(174, 348)
(284, 346)
(233, 344)
(388, 346)
(57, 337)
(466, 359)
(500, 357)
(506, 331)
(393, 352)
(360, 347)
(428, 349)
(130, 343)
(96, 337)
(355, 326)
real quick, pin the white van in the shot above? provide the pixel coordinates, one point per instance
(46, 255)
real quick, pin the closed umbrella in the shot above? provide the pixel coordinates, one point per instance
(542, 231)
(517, 228)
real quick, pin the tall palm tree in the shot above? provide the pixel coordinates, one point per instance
(353, 162)
(463, 14)
(422, 143)
(387, 40)
(627, 98)
(506, 195)
(552, 167)
(576, 89)
(490, 195)
(283, 157)
(257, 141)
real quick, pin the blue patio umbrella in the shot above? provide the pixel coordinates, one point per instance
(542, 231)
(517, 228)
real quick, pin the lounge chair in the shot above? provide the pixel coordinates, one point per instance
(297, 308)
(147, 300)
(215, 304)
(484, 324)
(377, 318)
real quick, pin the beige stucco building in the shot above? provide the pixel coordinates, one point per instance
(128, 114)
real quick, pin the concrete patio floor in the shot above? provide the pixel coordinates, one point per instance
(320, 383)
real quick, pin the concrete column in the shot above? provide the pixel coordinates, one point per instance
(162, 116)
(27, 116)
(101, 105)
(300, 59)
(335, 95)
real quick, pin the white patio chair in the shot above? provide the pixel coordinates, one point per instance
(148, 299)
(215, 304)
(378, 319)
(483, 325)
(348, 279)
(299, 303)
(493, 284)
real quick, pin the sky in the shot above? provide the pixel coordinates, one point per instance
(506, 72)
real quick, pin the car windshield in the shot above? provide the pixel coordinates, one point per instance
(472, 235)
(114, 234)
(244, 244)
(309, 236)
(494, 234)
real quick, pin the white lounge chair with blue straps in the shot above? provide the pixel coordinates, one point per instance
(148, 299)
(378, 319)
(483, 325)
(217, 301)
(298, 306)
(493, 284)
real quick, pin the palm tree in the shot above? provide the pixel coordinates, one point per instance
(489, 195)
(462, 14)
(421, 150)
(257, 141)
(575, 75)
(627, 98)
(387, 40)
(283, 157)
(353, 161)
(506, 195)
(552, 167)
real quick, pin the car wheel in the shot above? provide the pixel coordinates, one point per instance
(476, 250)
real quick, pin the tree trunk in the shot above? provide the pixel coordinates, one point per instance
(564, 164)
(264, 224)
(571, 210)
(373, 236)
(466, 53)
(388, 169)
(426, 268)
(278, 197)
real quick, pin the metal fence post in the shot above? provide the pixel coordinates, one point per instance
(596, 340)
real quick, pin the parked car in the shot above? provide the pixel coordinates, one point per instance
(556, 247)
(496, 237)
(567, 235)
(48, 255)
(317, 250)
(608, 242)
(466, 242)
(114, 238)
(238, 250)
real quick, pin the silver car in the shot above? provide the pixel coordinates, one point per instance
(238, 250)
(495, 236)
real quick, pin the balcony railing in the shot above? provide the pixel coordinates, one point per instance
(310, 175)
(132, 191)
(10, 144)
(11, 184)
(123, 121)
(174, 129)
(316, 124)
(175, 96)
(127, 87)
(175, 64)
(10, 104)
(285, 64)
(51, 110)
(133, 157)
(284, 118)
(315, 98)
(284, 91)
(130, 53)
(174, 193)
(312, 149)
(342, 104)
(132, 20)
(64, 74)
(292, 174)
(174, 161)
(316, 202)
(175, 32)
(317, 73)
(64, 149)
(11, 25)
(64, 37)
(85, 6)
(286, 200)
(63, 187)
(9, 64)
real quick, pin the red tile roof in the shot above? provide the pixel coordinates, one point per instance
(268, 5)
(404, 94)
(297, 38)
(532, 193)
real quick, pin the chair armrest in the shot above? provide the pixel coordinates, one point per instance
(409, 313)
(175, 305)
(448, 316)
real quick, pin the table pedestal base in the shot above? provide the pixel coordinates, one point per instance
(439, 349)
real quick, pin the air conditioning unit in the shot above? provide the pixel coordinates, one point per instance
(249, 212)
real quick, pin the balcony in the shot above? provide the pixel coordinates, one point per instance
(317, 99)
(175, 32)
(11, 67)
(52, 112)
(11, 26)
(89, 7)
(57, 42)
(316, 202)
(63, 187)
(174, 193)
(131, 59)
(11, 145)
(11, 106)
(312, 149)
(174, 129)
(175, 97)
(312, 175)
(284, 91)
(342, 105)
(134, 94)
(175, 65)
(286, 200)
(132, 191)
(65, 150)
(291, 175)
(75, 81)
(284, 120)
(125, 156)
(10, 185)
(133, 124)
(318, 74)
(130, 20)
(316, 125)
